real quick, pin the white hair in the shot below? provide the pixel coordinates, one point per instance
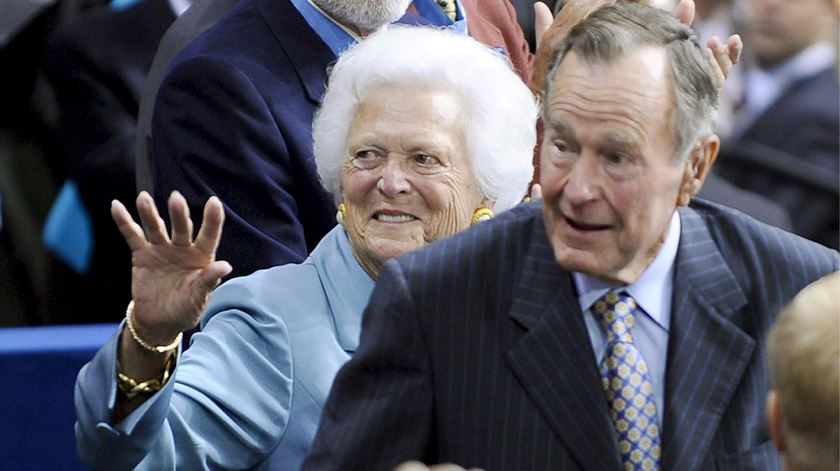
(500, 110)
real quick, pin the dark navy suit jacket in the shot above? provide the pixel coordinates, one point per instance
(474, 351)
(233, 118)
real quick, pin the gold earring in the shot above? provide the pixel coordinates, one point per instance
(339, 215)
(482, 214)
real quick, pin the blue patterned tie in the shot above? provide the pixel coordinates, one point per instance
(626, 381)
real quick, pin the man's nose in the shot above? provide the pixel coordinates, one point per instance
(582, 181)
(393, 179)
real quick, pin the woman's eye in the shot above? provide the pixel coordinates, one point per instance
(366, 159)
(426, 160)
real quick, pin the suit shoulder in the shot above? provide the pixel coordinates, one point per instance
(746, 241)
(501, 241)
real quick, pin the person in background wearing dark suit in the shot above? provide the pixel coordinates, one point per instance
(790, 107)
(195, 20)
(803, 350)
(96, 67)
(233, 114)
(616, 324)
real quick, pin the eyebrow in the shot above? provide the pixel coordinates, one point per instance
(557, 127)
(619, 140)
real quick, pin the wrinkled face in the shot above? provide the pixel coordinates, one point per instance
(609, 181)
(781, 28)
(407, 180)
(364, 14)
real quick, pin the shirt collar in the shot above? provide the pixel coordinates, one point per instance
(432, 14)
(179, 6)
(334, 34)
(652, 290)
(765, 86)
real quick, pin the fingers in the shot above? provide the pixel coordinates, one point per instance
(542, 19)
(179, 215)
(685, 12)
(212, 274)
(130, 230)
(735, 46)
(536, 191)
(152, 222)
(211, 227)
(719, 58)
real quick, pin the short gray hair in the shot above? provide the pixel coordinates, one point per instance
(501, 111)
(616, 30)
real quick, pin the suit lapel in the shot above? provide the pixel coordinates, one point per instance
(707, 351)
(554, 360)
(304, 48)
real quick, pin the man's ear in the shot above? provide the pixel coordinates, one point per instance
(697, 167)
(774, 421)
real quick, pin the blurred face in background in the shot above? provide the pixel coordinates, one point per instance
(781, 28)
(364, 15)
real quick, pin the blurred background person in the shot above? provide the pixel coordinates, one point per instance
(784, 140)
(804, 359)
(29, 175)
(416, 145)
(96, 67)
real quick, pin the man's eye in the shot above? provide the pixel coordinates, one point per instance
(561, 146)
(618, 158)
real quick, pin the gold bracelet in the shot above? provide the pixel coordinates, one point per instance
(131, 388)
(161, 349)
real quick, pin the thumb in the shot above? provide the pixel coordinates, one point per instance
(212, 274)
(542, 19)
(685, 12)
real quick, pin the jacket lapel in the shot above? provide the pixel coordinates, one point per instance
(304, 48)
(554, 359)
(707, 351)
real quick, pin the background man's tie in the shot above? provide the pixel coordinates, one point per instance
(448, 7)
(626, 381)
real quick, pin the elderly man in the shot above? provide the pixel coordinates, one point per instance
(611, 327)
(802, 407)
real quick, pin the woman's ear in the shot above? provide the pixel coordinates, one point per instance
(697, 168)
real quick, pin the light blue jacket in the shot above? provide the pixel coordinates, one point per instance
(248, 392)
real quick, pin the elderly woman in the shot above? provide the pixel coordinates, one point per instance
(421, 132)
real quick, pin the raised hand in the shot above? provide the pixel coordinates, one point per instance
(550, 32)
(171, 277)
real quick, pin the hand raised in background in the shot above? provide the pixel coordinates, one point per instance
(550, 31)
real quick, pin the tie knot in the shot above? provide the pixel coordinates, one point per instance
(615, 313)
